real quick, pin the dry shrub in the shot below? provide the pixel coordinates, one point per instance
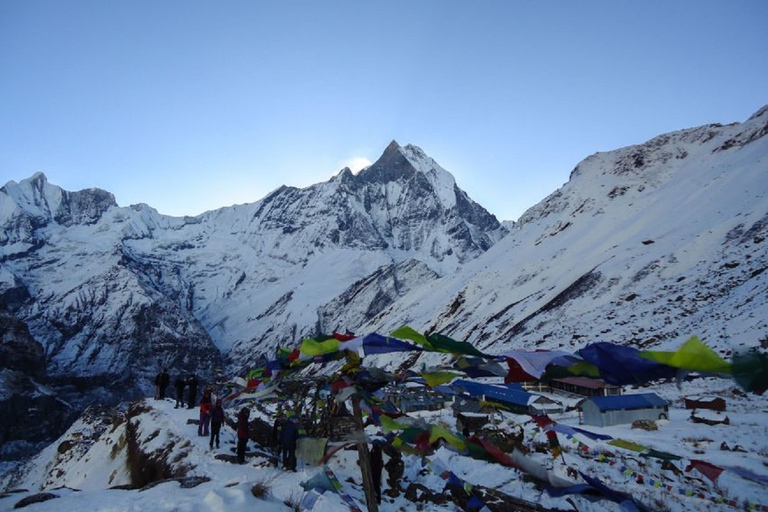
(261, 488)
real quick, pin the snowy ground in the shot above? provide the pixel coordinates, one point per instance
(621, 469)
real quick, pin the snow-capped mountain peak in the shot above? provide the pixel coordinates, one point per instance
(112, 294)
(411, 163)
(34, 202)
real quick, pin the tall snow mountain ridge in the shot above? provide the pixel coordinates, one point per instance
(112, 295)
(644, 246)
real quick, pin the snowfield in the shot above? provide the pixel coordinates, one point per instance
(739, 449)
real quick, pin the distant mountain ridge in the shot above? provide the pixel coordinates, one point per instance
(644, 245)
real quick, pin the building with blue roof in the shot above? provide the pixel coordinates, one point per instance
(604, 411)
(511, 396)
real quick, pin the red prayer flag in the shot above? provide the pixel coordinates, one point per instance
(705, 468)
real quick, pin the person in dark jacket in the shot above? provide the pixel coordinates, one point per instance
(242, 433)
(180, 383)
(288, 437)
(165, 379)
(277, 430)
(192, 391)
(377, 464)
(157, 385)
(217, 418)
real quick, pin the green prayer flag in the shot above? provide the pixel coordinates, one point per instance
(443, 343)
(693, 355)
(449, 437)
(310, 347)
(750, 371)
(627, 445)
(437, 378)
(389, 424)
(407, 333)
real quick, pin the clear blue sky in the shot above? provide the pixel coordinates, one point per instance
(193, 105)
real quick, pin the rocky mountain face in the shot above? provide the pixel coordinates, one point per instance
(112, 295)
(30, 412)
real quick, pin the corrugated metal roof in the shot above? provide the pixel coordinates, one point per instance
(628, 402)
(505, 393)
(704, 399)
(585, 382)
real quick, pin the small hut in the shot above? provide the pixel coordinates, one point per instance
(713, 403)
(604, 411)
(415, 397)
(585, 387)
(471, 414)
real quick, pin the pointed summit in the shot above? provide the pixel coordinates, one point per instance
(392, 147)
(391, 166)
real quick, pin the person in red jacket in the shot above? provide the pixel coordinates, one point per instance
(205, 413)
(242, 433)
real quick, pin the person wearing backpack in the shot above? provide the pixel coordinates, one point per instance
(242, 434)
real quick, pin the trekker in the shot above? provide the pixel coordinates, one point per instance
(157, 385)
(192, 391)
(377, 464)
(179, 384)
(217, 418)
(205, 413)
(277, 430)
(288, 437)
(165, 379)
(242, 434)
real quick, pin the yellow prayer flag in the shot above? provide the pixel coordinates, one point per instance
(693, 355)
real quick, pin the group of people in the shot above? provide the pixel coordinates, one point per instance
(211, 409)
(211, 418)
(182, 383)
(190, 384)
(285, 433)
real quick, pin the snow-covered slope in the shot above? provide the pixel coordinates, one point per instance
(151, 458)
(645, 245)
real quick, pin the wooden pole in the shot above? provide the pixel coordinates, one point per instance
(365, 458)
